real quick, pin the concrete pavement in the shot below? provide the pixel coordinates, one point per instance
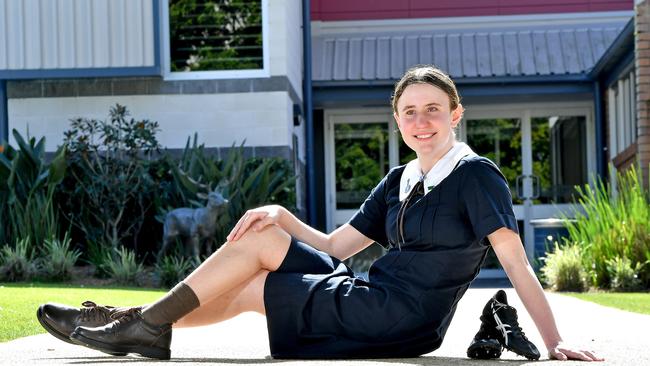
(619, 336)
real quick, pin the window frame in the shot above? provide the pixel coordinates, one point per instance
(622, 119)
(214, 74)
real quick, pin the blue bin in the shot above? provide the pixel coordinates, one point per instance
(547, 232)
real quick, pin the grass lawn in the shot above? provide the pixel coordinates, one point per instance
(18, 303)
(638, 302)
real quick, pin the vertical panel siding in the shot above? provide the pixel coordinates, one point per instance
(100, 31)
(133, 16)
(49, 34)
(32, 35)
(66, 34)
(117, 38)
(147, 33)
(15, 34)
(63, 34)
(83, 33)
(3, 34)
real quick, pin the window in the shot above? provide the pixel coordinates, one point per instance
(622, 114)
(207, 39)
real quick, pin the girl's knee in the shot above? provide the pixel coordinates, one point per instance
(269, 235)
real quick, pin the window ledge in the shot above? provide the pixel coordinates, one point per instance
(217, 75)
(625, 158)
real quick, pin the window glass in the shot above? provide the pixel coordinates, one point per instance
(500, 141)
(559, 157)
(215, 35)
(622, 114)
(361, 161)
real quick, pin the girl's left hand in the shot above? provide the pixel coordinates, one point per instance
(565, 352)
(256, 220)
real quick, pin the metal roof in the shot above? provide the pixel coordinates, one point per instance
(471, 54)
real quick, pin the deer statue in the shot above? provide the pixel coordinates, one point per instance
(192, 224)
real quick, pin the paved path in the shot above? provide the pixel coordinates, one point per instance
(621, 337)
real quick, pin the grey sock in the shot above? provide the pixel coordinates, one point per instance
(177, 303)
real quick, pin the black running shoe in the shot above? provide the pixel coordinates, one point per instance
(485, 344)
(503, 317)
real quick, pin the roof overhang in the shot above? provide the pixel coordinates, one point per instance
(485, 89)
(617, 58)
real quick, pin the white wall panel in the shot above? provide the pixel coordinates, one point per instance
(15, 34)
(83, 33)
(294, 45)
(277, 21)
(262, 119)
(147, 33)
(133, 47)
(117, 37)
(63, 34)
(100, 32)
(48, 32)
(32, 34)
(3, 32)
(66, 34)
(285, 36)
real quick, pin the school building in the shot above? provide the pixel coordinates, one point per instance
(555, 90)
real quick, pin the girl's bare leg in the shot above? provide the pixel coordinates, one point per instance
(248, 296)
(237, 262)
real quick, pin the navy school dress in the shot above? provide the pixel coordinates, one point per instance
(317, 308)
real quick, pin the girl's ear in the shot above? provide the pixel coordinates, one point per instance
(396, 117)
(457, 115)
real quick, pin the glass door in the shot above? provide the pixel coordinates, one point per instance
(544, 151)
(358, 154)
(543, 156)
(499, 139)
(360, 148)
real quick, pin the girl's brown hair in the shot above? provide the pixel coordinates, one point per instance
(426, 74)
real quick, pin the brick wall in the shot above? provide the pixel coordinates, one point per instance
(642, 65)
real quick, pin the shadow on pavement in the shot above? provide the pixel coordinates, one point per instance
(425, 361)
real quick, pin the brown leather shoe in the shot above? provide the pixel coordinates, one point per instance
(128, 334)
(61, 320)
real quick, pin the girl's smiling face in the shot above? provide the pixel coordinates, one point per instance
(426, 122)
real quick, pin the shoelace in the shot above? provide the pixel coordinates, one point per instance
(125, 315)
(92, 311)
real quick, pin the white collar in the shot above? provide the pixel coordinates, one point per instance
(413, 172)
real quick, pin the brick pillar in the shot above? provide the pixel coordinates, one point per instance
(642, 66)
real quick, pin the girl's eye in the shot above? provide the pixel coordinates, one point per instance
(410, 112)
(432, 109)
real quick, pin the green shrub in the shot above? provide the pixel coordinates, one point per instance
(58, 258)
(564, 269)
(118, 187)
(613, 225)
(17, 263)
(27, 186)
(107, 193)
(246, 183)
(172, 269)
(100, 256)
(124, 268)
(624, 276)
